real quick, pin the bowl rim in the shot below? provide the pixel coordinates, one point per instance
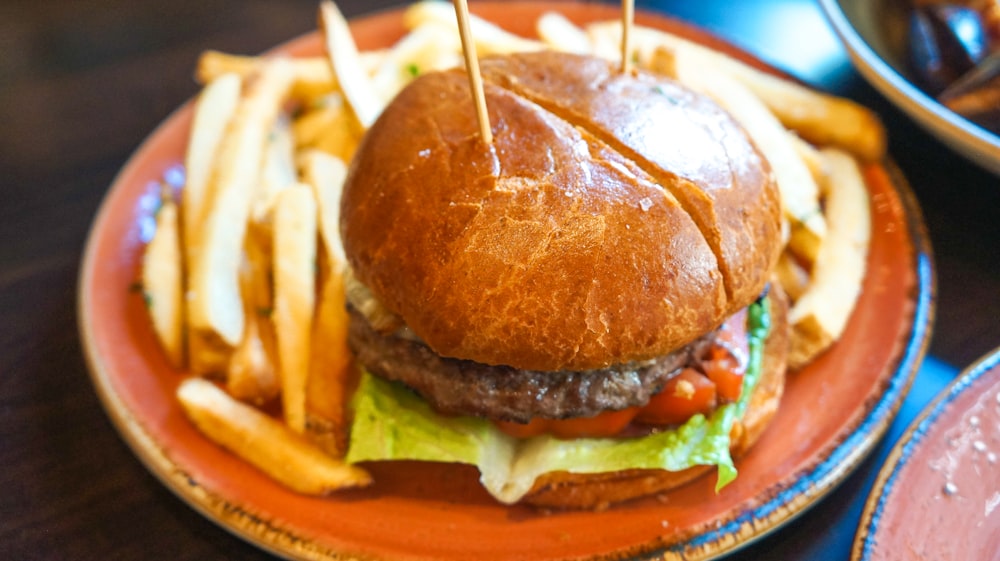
(974, 142)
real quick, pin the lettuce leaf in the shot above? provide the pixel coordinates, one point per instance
(393, 423)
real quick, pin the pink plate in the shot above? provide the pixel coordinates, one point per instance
(833, 412)
(938, 495)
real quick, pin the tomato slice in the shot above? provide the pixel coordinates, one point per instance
(726, 371)
(608, 423)
(684, 395)
(534, 427)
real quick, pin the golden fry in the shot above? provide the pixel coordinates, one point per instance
(812, 158)
(325, 174)
(252, 373)
(489, 38)
(331, 373)
(278, 171)
(560, 34)
(820, 315)
(264, 442)
(330, 127)
(346, 65)
(428, 47)
(294, 296)
(792, 276)
(312, 76)
(162, 281)
(215, 307)
(213, 111)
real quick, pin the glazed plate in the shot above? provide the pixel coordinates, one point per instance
(832, 414)
(938, 494)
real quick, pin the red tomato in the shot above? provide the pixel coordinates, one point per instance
(684, 395)
(535, 427)
(609, 423)
(726, 372)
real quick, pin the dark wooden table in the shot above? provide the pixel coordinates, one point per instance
(82, 82)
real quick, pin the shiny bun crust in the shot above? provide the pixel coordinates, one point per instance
(564, 490)
(615, 217)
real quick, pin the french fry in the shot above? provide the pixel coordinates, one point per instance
(265, 442)
(162, 280)
(330, 127)
(294, 296)
(312, 121)
(560, 34)
(312, 76)
(277, 172)
(428, 47)
(346, 65)
(213, 111)
(820, 315)
(489, 38)
(812, 158)
(793, 277)
(325, 174)
(212, 64)
(331, 373)
(820, 118)
(799, 191)
(252, 372)
(215, 309)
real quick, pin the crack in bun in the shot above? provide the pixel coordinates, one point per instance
(613, 220)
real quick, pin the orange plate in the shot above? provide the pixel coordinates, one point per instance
(938, 494)
(833, 412)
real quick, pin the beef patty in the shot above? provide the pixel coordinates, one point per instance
(464, 387)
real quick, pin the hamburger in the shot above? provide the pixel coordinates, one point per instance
(580, 309)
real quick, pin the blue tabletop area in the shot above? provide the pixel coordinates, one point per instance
(794, 36)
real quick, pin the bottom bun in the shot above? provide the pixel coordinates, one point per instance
(599, 490)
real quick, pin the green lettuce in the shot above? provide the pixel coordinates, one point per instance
(392, 423)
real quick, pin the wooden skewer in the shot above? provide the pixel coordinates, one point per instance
(472, 69)
(628, 14)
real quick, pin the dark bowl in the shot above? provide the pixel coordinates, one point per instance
(874, 34)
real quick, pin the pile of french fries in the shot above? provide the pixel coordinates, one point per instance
(246, 272)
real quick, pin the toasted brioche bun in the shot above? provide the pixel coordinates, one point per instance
(595, 491)
(615, 218)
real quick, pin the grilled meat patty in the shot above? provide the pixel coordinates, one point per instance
(464, 387)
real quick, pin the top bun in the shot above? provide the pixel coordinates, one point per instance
(615, 218)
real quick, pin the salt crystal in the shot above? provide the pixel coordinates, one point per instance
(645, 203)
(974, 421)
(979, 445)
(950, 488)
